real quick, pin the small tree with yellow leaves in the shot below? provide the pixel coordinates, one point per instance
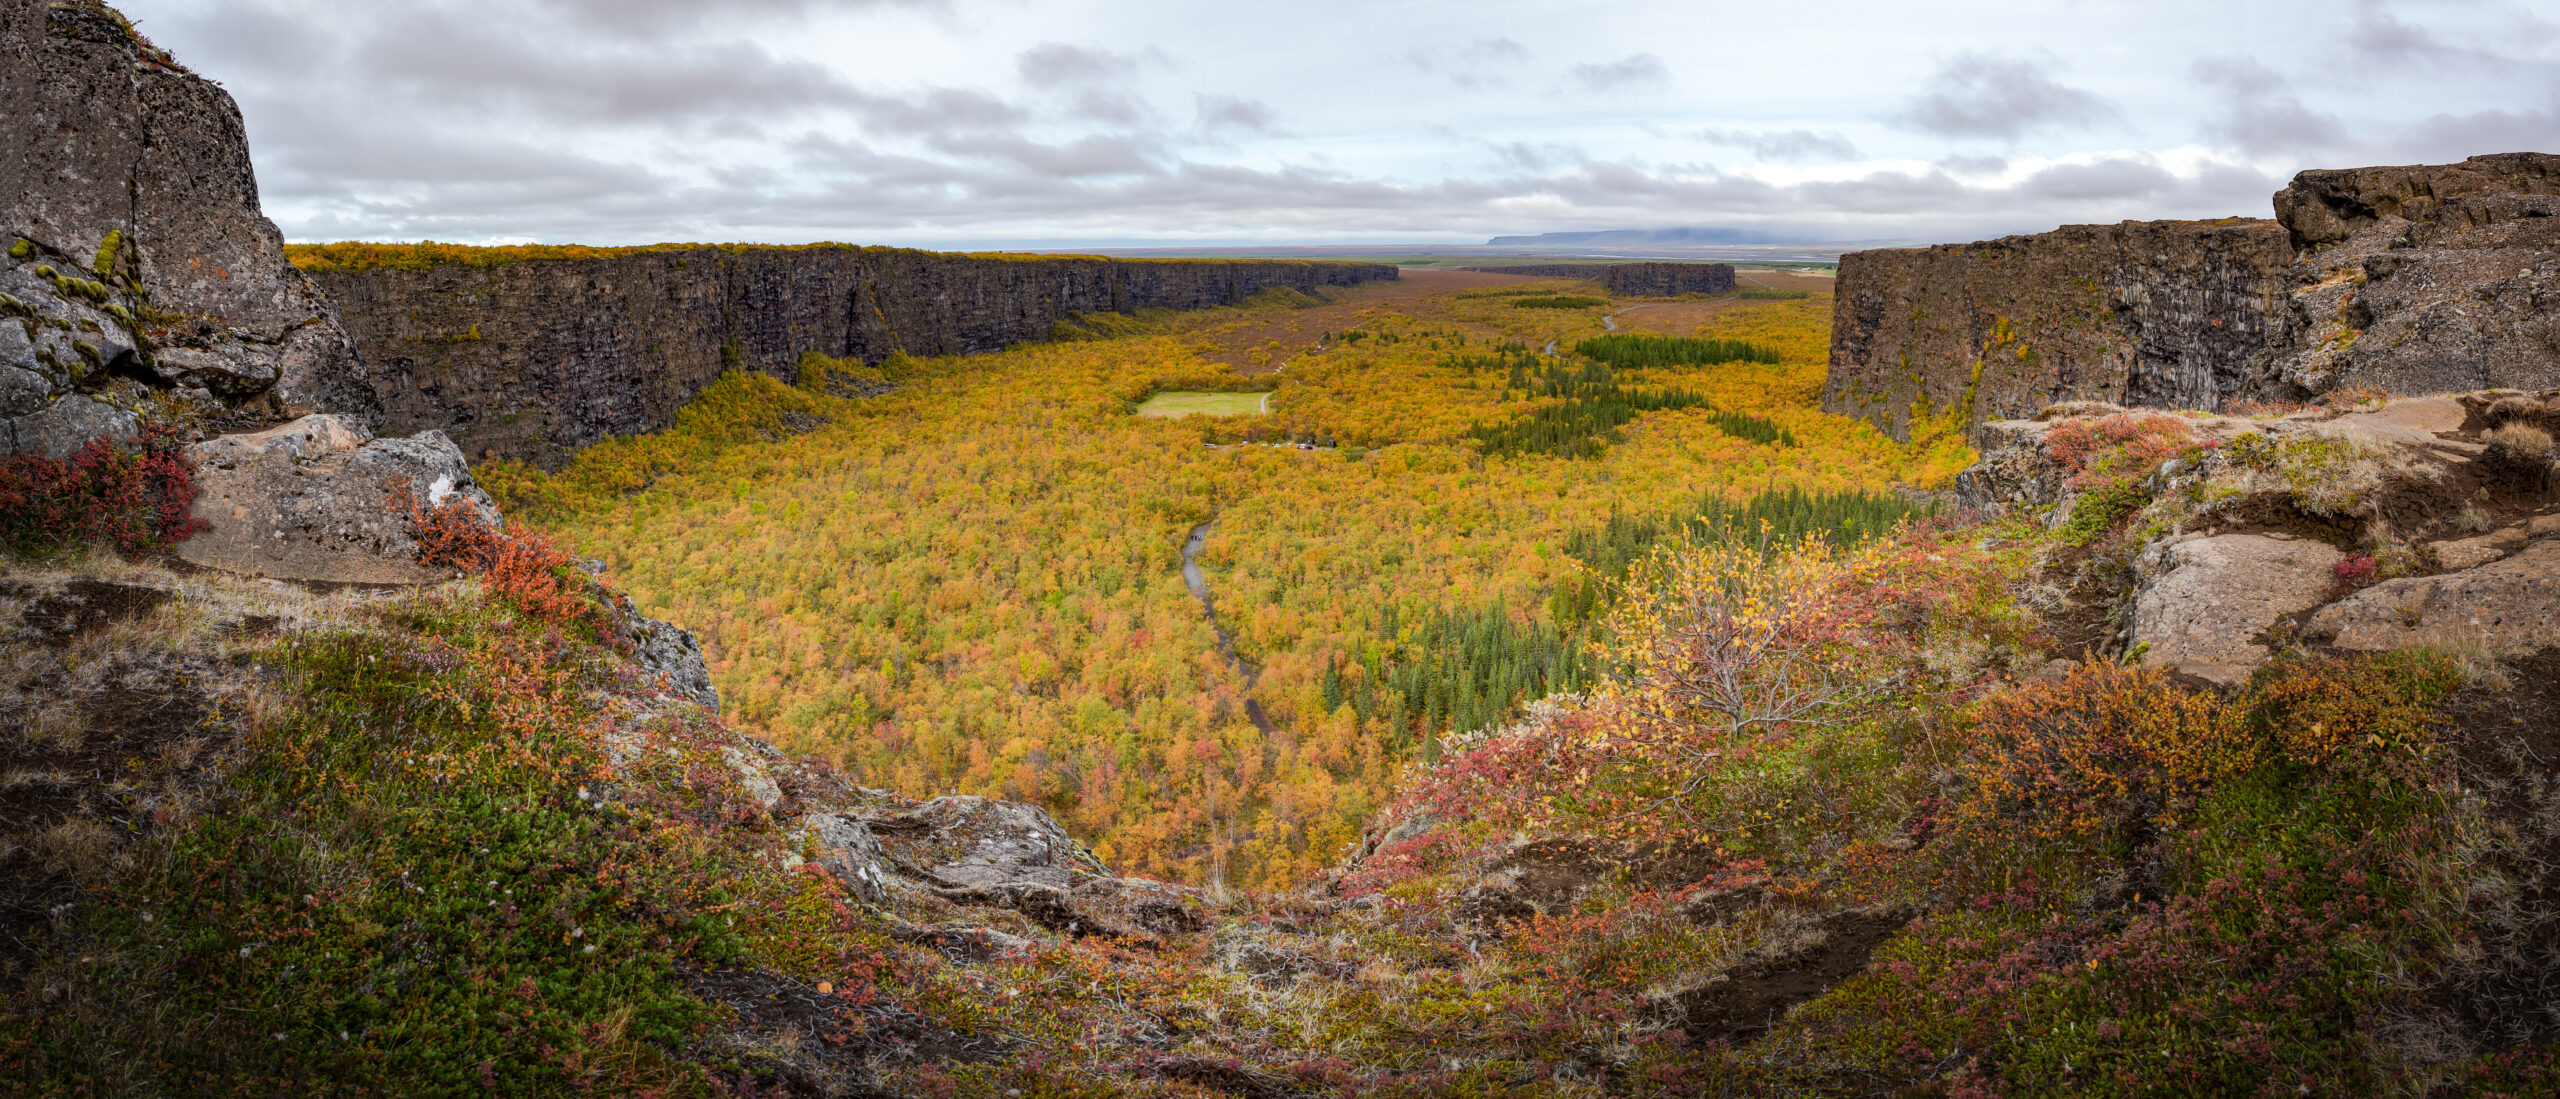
(1727, 646)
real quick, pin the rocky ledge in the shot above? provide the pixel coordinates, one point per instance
(2200, 542)
(135, 266)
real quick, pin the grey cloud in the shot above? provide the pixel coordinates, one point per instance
(1522, 156)
(2118, 180)
(1088, 157)
(643, 17)
(1484, 64)
(1974, 165)
(1096, 82)
(1634, 71)
(1056, 64)
(2379, 33)
(2259, 112)
(1221, 115)
(1784, 146)
(935, 111)
(1985, 95)
(453, 61)
(495, 125)
(2446, 137)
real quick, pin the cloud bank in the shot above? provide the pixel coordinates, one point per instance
(979, 122)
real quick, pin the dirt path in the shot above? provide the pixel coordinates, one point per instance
(1198, 582)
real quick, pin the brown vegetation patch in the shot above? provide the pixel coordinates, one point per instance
(2507, 745)
(77, 782)
(1553, 874)
(1224, 1077)
(808, 1042)
(87, 604)
(1755, 995)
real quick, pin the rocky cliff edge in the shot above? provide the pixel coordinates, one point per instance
(2409, 280)
(137, 266)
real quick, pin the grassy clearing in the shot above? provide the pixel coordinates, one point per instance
(1174, 406)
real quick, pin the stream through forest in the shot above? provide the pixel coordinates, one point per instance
(1199, 585)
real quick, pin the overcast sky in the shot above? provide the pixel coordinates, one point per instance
(976, 123)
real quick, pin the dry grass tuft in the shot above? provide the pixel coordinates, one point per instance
(2511, 409)
(2521, 444)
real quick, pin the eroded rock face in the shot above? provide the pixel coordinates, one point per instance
(965, 842)
(975, 851)
(132, 250)
(2412, 280)
(2157, 313)
(2504, 605)
(2215, 595)
(2015, 470)
(2425, 278)
(313, 500)
(63, 423)
(536, 360)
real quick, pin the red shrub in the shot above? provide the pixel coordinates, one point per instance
(136, 494)
(529, 571)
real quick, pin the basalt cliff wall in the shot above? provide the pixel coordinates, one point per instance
(536, 359)
(1638, 280)
(137, 264)
(2422, 279)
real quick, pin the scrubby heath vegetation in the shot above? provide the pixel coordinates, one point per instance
(1804, 804)
(971, 584)
(1805, 830)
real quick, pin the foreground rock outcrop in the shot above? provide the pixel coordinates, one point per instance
(321, 499)
(538, 358)
(2215, 595)
(137, 264)
(2208, 541)
(2407, 280)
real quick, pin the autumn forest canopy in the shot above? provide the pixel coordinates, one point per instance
(973, 584)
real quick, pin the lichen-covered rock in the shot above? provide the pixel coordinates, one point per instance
(966, 842)
(130, 230)
(2015, 470)
(59, 427)
(314, 500)
(2505, 605)
(2213, 597)
(672, 652)
(1002, 854)
(2158, 313)
(848, 850)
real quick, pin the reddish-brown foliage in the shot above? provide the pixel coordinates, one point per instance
(136, 494)
(2100, 450)
(529, 571)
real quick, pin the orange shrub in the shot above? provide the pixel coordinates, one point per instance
(2105, 749)
(529, 571)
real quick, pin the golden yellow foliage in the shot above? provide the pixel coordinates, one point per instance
(973, 584)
